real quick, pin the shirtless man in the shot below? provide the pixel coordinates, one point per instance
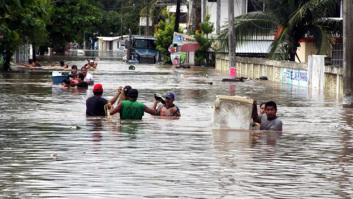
(90, 64)
(168, 108)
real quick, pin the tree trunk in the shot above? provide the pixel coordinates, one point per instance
(231, 36)
(197, 15)
(7, 57)
(218, 22)
(292, 53)
(34, 57)
(347, 53)
(177, 16)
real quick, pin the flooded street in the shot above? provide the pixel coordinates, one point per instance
(49, 149)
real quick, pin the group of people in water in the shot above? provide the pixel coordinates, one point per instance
(80, 79)
(129, 108)
(127, 105)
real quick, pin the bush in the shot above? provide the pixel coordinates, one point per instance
(201, 55)
(164, 35)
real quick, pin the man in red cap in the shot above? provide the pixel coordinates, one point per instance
(95, 104)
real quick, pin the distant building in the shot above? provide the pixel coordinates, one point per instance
(260, 45)
(257, 46)
(111, 43)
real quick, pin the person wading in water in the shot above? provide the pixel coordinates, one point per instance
(269, 120)
(167, 108)
(131, 108)
(95, 104)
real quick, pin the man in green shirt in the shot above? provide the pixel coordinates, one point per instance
(132, 109)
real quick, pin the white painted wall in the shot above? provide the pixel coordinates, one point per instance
(211, 10)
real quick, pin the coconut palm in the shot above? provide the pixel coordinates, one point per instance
(289, 21)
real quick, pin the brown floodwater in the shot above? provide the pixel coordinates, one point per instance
(49, 149)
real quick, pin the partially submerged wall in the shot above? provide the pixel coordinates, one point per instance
(328, 78)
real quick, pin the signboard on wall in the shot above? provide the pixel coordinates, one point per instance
(294, 77)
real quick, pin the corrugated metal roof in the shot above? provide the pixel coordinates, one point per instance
(254, 47)
(109, 38)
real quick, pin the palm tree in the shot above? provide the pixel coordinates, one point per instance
(289, 21)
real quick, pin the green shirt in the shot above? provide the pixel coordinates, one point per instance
(132, 110)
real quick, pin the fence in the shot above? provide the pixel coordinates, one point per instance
(96, 53)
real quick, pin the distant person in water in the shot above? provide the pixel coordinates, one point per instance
(167, 106)
(90, 64)
(74, 71)
(131, 108)
(262, 108)
(62, 64)
(269, 120)
(95, 104)
(123, 93)
(88, 77)
(32, 63)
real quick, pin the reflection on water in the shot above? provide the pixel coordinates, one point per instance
(48, 148)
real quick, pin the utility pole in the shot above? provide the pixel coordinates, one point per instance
(218, 22)
(177, 16)
(204, 13)
(147, 19)
(231, 38)
(348, 53)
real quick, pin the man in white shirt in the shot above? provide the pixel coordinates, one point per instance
(88, 78)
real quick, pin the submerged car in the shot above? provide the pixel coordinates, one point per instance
(143, 49)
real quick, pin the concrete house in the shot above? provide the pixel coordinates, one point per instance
(259, 46)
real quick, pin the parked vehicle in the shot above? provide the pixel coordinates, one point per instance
(143, 50)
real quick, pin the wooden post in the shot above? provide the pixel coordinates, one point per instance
(231, 36)
(348, 53)
(218, 22)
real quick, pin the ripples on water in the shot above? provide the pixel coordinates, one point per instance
(48, 148)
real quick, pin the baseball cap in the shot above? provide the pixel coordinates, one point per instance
(98, 88)
(169, 95)
(133, 93)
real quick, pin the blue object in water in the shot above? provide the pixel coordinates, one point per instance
(58, 77)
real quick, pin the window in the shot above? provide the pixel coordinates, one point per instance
(255, 5)
(144, 44)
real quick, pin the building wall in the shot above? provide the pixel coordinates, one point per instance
(305, 49)
(282, 71)
(211, 10)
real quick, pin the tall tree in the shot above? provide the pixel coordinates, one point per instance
(290, 21)
(71, 20)
(22, 22)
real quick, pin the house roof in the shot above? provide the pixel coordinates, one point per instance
(109, 38)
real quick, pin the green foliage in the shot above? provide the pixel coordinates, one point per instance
(70, 20)
(201, 55)
(22, 22)
(164, 35)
